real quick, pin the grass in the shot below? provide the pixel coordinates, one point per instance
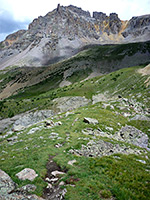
(120, 177)
(94, 178)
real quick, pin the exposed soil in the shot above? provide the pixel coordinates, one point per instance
(55, 192)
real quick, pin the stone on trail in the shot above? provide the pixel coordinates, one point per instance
(27, 174)
(55, 173)
(71, 162)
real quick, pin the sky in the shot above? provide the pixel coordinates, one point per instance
(17, 14)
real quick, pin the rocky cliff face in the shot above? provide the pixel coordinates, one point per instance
(64, 31)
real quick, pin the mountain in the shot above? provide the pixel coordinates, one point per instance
(74, 108)
(64, 32)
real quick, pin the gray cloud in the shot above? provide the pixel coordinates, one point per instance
(8, 25)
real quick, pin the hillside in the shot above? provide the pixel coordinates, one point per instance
(93, 61)
(96, 137)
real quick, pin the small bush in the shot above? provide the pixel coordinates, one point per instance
(105, 193)
(10, 113)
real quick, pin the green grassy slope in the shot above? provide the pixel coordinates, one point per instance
(102, 59)
(126, 82)
(118, 176)
(121, 177)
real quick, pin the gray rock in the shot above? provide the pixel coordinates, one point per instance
(12, 138)
(17, 128)
(70, 103)
(101, 148)
(100, 16)
(132, 135)
(38, 46)
(98, 98)
(141, 118)
(53, 180)
(88, 131)
(90, 120)
(31, 118)
(142, 161)
(33, 130)
(61, 183)
(137, 26)
(6, 183)
(49, 123)
(79, 11)
(71, 162)
(23, 120)
(27, 174)
(59, 123)
(26, 189)
(8, 190)
(49, 186)
(16, 196)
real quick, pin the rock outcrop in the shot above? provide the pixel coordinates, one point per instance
(101, 148)
(64, 31)
(9, 190)
(23, 120)
(69, 103)
(138, 27)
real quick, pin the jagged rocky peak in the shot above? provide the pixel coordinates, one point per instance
(62, 32)
(79, 11)
(13, 37)
(113, 16)
(139, 22)
(100, 16)
(114, 23)
(138, 26)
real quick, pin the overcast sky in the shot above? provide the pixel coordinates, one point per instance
(17, 14)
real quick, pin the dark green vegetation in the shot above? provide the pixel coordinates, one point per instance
(125, 82)
(121, 177)
(1, 45)
(103, 59)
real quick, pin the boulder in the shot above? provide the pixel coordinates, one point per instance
(90, 120)
(6, 183)
(27, 174)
